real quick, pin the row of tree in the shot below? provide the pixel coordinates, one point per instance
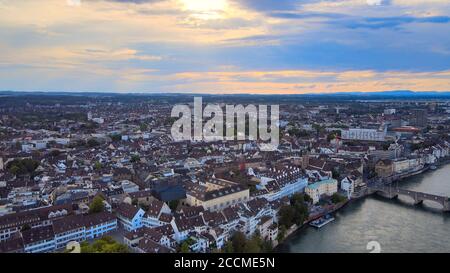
(240, 244)
(22, 166)
(337, 198)
(295, 213)
(104, 245)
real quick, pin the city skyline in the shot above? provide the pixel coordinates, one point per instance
(224, 46)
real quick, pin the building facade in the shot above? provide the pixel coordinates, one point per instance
(363, 134)
(326, 187)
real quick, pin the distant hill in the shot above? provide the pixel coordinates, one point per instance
(397, 93)
(347, 96)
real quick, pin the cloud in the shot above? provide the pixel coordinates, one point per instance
(374, 2)
(136, 1)
(269, 5)
(308, 81)
(75, 3)
(393, 22)
(305, 15)
(284, 45)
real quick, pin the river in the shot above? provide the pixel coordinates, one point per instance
(397, 225)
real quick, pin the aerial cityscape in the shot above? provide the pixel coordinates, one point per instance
(85, 168)
(224, 126)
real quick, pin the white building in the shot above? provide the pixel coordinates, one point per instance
(80, 228)
(39, 240)
(27, 147)
(98, 120)
(129, 187)
(406, 165)
(363, 134)
(97, 225)
(130, 217)
(281, 183)
(348, 186)
(325, 187)
(153, 215)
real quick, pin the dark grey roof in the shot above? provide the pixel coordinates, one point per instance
(37, 234)
(128, 211)
(168, 192)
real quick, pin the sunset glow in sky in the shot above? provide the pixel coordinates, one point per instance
(225, 46)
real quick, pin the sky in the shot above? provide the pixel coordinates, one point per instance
(225, 46)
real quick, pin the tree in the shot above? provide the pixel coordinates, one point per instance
(22, 166)
(319, 128)
(298, 198)
(307, 198)
(116, 137)
(135, 158)
(104, 245)
(266, 246)
(300, 213)
(86, 248)
(18, 145)
(386, 145)
(286, 216)
(335, 173)
(281, 233)
(298, 133)
(173, 205)
(170, 121)
(14, 170)
(98, 166)
(96, 205)
(36, 154)
(238, 242)
(30, 165)
(228, 247)
(55, 153)
(90, 126)
(92, 142)
(332, 135)
(77, 143)
(185, 247)
(253, 245)
(337, 198)
(143, 127)
(252, 188)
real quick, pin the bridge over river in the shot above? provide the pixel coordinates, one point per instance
(418, 197)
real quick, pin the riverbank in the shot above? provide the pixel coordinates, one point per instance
(398, 225)
(295, 230)
(444, 161)
(404, 177)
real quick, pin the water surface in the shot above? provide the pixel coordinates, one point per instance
(397, 225)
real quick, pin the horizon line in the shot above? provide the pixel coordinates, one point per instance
(231, 94)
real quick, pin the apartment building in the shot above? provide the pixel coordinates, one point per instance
(216, 194)
(130, 217)
(57, 235)
(325, 187)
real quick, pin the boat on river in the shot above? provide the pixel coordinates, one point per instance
(322, 221)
